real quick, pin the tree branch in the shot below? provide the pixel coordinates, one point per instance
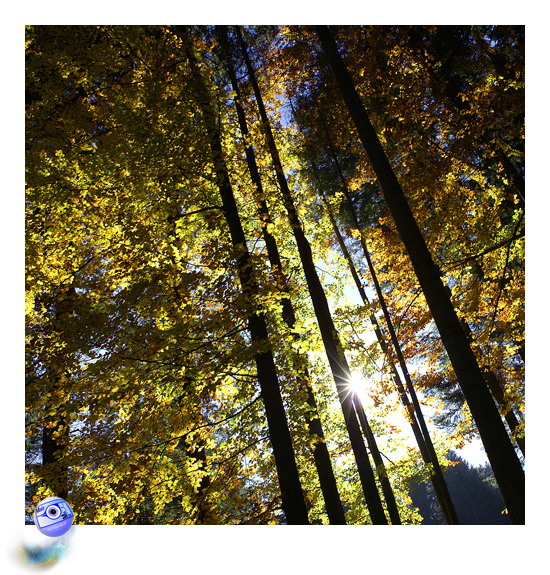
(458, 263)
(174, 218)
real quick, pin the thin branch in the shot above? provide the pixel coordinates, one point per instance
(183, 435)
(486, 251)
(241, 450)
(402, 317)
(174, 218)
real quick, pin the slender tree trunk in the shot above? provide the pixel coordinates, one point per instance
(381, 471)
(500, 451)
(321, 456)
(55, 439)
(293, 502)
(375, 452)
(426, 446)
(498, 394)
(54, 472)
(200, 514)
(334, 350)
(437, 479)
(509, 415)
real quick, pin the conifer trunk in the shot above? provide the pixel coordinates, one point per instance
(321, 456)
(293, 503)
(334, 350)
(500, 451)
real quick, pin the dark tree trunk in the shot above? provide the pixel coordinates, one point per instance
(509, 415)
(422, 439)
(335, 353)
(500, 451)
(381, 471)
(199, 513)
(425, 444)
(498, 394)
(293, 503)
(414, 413)
(321, 456)
(54, 470)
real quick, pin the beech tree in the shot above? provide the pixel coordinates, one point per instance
(502, 456)
(320, 453)
(411, 405)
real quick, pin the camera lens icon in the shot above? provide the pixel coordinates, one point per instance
(53, 516)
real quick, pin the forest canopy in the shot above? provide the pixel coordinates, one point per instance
(273, 274)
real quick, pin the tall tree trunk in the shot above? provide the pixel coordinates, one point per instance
(437, 479)
(54, 472)
(200, 514)
(500, 451)
(293, 503)
(333, 347)
(509, 415)
(375, 452)
(426, 446)
(321, 456)
(381, 472)
(498, 394)
(55, 438)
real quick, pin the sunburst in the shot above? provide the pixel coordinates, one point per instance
(357, 383)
